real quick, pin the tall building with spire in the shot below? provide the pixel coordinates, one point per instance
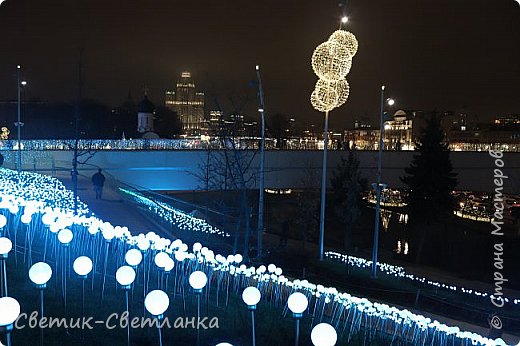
(188, 104)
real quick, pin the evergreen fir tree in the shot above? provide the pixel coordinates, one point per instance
(430, 176)
(430, 180)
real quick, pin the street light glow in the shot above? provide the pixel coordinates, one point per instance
(390, 102)
(344, 19)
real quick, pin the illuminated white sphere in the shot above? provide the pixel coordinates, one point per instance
(3, 221)
(346, 41)
(125, 275)
(224, 344)
(238, 258)
(82, 265)
(161, 259)
(344, 19)
(133, 257)
(5, 246)
(198, 280)
(197, 247)
(251, 296)
(9, 311)
(65, 236)
(143, 244)
(324, 334)
(26, 218)
(40, 273)
(297, 302)
(391, 102)
(156, 302)
(330, 61)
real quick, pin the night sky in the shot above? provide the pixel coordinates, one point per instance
(457, 55)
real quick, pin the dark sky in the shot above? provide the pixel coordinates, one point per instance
(450, 54)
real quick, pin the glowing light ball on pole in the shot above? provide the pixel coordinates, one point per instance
(125, 276)
(251, 296)
(156, 303)
(40, 273)
(331, 62)
(297, 303)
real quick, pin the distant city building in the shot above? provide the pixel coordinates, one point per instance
(398, 132)
(188, 104)
(508, 120)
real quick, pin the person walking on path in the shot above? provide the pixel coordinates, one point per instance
(98, 180)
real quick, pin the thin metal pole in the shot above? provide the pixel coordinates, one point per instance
(18, 123)
(253, 327)
(198, 318)
(375, 248)
(128, 312)
(160, 332)
(41, 316)
(324, 184)
(8, 337)
(4, 276)
(262, 160)
(297, 338)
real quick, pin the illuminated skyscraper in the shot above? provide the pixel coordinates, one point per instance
(188, 103)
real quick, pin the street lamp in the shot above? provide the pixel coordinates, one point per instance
(378, 186)
(9, 312)
(125, 276)
(40, 273)
(198, 281)
(324, 334)
(297, 303)
(19, 123)
(156, 303)
(251, 296)
(5, 247)
(262, 160)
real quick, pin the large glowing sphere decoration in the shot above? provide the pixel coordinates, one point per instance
(198, 280)
(133, 257)
(331, 62)
(297, 302)
(328, 95)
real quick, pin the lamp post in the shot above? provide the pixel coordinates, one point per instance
(331, 62)
(82, 267)
(324, 334)
(251, 296)
(378, 186)
(40, 273)
(18, 122)
(156, 303)
(262, 159)
(198, 281)
(297, 303)
(65, 236)
(125, 276)
(9, 312)
(5, 247)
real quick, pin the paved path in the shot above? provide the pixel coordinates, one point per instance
(112, 208)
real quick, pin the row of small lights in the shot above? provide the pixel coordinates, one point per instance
(400, 318)
(400, 272)
(174, 216)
